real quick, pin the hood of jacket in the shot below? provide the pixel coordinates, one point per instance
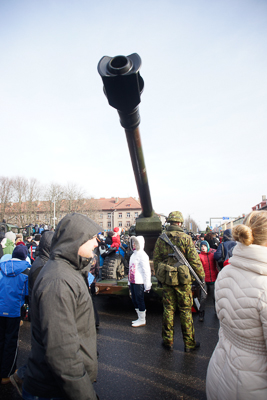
(45, 244)
(14, 267)
(227, 235)
(71, 233)
(6, 243)
(139, 243)
(173, 228)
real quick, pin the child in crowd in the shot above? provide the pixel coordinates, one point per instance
(13, 288)
(139, 278)
(8, 243)
(116, 242)
(209, 264)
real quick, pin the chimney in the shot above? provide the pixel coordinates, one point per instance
(116, 200)
(263, 197)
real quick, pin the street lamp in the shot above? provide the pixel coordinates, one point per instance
(54, 213)
(59, 194)
(113, 218)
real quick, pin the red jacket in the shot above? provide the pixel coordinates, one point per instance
(116, 242)
(209, 265)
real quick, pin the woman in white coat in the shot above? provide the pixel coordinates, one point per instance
(238, 366)
(139, 278)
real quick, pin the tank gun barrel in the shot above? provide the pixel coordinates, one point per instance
(123, 86)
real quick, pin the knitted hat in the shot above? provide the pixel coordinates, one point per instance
(20, 252)
(116, 229)
(205, 243)
(37, 237)
(11, 236)
(20, 242)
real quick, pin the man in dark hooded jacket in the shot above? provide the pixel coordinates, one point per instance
(224, 247)
(63, 358)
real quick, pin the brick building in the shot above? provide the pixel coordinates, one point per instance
(261, 205)
(108, 213)
(121, 212)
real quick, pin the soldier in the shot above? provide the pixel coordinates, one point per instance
(181, 294)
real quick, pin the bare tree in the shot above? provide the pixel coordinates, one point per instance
(33, 196)
(6, 192)
(20, 189)
(74, 197)
(54, 195)
(191, 225)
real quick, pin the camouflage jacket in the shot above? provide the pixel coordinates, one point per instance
(184, 243)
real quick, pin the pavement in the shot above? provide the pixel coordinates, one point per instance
(132, 363)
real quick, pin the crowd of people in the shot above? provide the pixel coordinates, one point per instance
(55, 274)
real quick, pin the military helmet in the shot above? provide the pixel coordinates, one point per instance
(175, 216)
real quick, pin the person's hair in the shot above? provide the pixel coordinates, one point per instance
(253, 230)
(209, 236)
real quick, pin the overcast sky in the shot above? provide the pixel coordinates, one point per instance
(203, 109)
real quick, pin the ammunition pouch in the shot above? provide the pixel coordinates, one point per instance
(173, 275)
(167, 274)
(184, 275)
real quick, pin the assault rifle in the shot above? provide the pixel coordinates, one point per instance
(180, 257)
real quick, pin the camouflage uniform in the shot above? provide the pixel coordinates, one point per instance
(180, 295)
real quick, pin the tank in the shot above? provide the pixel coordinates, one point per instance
(123, 86)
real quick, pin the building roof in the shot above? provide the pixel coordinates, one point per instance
(113, 203)
(118, 204)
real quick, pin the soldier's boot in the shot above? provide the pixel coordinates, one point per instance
(137, 309)
(141, 320)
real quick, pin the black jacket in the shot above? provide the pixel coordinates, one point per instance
(44, 251)
(63, 359)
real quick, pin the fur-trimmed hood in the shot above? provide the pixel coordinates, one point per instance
(139, 242)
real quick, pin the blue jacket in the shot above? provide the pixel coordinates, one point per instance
(120, 250)
(227, 244)
(13, 286)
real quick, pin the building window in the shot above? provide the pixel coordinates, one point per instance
(37, 217)
(136, 214)
(101, 224)
(128, 224)
(120, 215)
(109, 215)
(128, 215)
(101, 216)
(120, 224)
(109, 224)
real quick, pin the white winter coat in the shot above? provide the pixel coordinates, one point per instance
(238, 366)
(139, 267)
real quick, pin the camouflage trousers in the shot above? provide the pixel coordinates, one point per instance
(172, 297)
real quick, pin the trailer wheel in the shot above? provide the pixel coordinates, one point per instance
(113, 268)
